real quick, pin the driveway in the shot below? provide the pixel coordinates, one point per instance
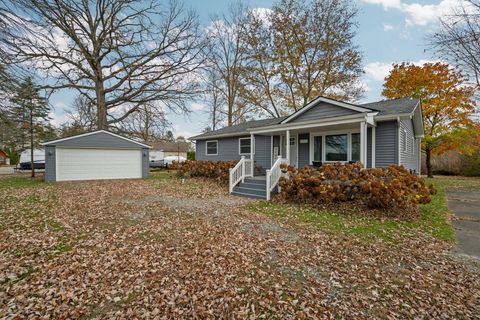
(6, 169)
(465, 204)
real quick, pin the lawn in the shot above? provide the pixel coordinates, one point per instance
(434, 217)
(164, 248)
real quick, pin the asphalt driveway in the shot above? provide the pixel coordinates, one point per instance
(465, 204)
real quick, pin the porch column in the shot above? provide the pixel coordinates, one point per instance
(287, 146)
(363, 144)
(252, 146)
(373, 146)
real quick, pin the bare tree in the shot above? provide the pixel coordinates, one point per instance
(147, 124)
(226, 56)
(214, 97)
(458, 41)
(115, 52)
(300, 50)
(82, 116)
(262, 82)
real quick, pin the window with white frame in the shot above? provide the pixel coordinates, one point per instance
(244, 145)
(211, 148)
(355, 138)
(336, 147)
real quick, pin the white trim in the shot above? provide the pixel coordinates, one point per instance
(315, 101)
(393, 117)
(206, 148)
(374, 137)
(309, 124)
(287, 146)
(405, 142)
(94, 132)
(363, 144)
(251, 146)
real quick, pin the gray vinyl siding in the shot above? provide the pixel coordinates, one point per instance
(145, 162)
(409, 157)
(262, 157)
(50, 165)
(99, 140)
(227, 149)
(369, 147)
(303, 150)
(323, 110)
(386, 144)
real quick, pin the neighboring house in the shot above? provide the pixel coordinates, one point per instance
(377, 134)
(162, 149)
(95, 155)
(4, 160)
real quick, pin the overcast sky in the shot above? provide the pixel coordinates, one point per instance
(389, 31)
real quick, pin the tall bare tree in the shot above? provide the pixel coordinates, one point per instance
(148, 123)
(300, 50)
(115, 52)
(226, 56)
(214, 97)
(458, 41)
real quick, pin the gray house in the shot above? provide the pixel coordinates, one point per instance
(95, 155)
(325, 130)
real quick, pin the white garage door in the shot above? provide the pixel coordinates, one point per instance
(93, 164)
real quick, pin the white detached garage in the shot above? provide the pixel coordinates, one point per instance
(94, 156)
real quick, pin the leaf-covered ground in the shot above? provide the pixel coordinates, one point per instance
(157, 248)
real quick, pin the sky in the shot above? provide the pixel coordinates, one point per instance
(390, 31)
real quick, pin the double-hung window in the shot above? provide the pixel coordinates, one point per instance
(212, 148)
(244, 145)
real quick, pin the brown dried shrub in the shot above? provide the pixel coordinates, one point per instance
(216, 170)
(393, 190)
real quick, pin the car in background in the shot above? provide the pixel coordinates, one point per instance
(27, 165)
(157, 164)
(170, 159)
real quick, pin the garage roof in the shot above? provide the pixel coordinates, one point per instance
(97, 139)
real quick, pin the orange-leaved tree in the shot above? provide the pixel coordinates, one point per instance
(446, 99)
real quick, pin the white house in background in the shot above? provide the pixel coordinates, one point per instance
(162, 149)
(38, 154)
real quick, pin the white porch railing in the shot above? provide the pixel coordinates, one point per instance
(243, 169)
(273, 176)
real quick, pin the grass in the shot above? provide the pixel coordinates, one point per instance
(20, 181)
(163, 175)
(434, 217)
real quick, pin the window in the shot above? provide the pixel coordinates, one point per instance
(244, 145)
(317, 148)
(336, 148)
(212, 148)
(355, 146)
(292, 141)
(404, 140)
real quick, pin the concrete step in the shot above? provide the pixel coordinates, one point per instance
(242, 189)
(255, 181)
(256, 186)
(248, 195)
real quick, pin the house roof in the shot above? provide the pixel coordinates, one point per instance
(170, 146)
(72, 141)
(384, 108)
(394, 106)
(238, 129)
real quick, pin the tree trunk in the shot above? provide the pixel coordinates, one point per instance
(32, 164)
(429, 164)
(101, 106)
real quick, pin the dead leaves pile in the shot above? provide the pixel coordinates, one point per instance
(162, 249)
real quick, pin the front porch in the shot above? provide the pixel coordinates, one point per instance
(314, 145)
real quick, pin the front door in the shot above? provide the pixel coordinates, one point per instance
(293, 150)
